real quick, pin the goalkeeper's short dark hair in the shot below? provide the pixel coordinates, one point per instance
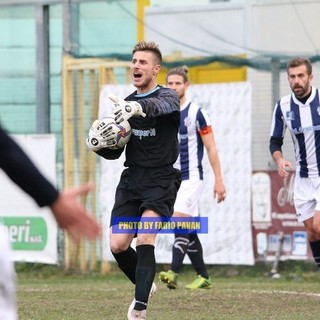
(148, 46)
(180, 71)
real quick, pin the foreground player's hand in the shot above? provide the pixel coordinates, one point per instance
(124, 110)
(72, 216)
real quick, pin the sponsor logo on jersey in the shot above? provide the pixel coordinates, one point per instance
(144, 133)
(187, 121)
(290, 115)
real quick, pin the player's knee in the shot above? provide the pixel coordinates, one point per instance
(146, 239)
(313, 233)
(117, 246)
(316, 233)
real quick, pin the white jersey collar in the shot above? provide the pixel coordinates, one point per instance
(299, 103)
(187, 102)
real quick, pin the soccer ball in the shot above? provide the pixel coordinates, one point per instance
(106, 133)
(122, 130)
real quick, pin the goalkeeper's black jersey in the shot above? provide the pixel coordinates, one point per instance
(154, 139)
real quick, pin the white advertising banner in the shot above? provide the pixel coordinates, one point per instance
(32, 230)
(229, 237)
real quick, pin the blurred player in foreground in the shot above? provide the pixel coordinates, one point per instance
(149, 185)
(300, 113)
(68, 212)
(195, 133)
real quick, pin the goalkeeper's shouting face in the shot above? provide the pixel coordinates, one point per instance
(145, 68)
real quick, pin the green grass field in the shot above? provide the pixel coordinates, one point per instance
(238, 293)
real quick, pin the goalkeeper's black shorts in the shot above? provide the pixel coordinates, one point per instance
(143, 188)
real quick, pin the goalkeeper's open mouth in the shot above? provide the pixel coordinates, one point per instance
(137, 75)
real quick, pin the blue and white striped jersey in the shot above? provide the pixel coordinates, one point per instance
(303, 122)
(194, 122)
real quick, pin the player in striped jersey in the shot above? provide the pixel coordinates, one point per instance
(195, 133)
(300, 113)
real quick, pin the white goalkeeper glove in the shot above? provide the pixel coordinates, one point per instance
(101, 135)
(124, 110)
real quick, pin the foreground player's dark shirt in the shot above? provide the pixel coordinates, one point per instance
(154, 139)
(20, 169)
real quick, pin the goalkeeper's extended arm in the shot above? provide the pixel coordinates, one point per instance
(124, 110)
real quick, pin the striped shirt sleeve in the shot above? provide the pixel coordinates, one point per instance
(278, 125)
(203, 122)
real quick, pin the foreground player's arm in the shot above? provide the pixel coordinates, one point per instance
(20, 169)
(68, 212)
(207, 137)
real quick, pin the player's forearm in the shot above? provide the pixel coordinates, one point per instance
(215, 165)
(277, 156)
(110, 154)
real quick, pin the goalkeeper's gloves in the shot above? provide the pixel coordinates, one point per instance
(124, 110)
(101, 135)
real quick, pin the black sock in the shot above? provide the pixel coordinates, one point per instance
(195, 255)
(145, 273)
(315, 249)
(179, 251)
(127, 262)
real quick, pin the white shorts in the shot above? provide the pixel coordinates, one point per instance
(8, 309)
(306, 197)
(188, 196)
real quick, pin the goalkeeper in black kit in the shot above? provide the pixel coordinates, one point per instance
(149, 185)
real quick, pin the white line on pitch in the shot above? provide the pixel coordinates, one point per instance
(310, 294)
